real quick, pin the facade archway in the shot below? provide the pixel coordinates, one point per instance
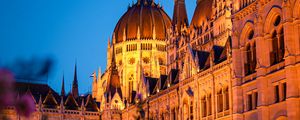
(248, 27)
(271, 17)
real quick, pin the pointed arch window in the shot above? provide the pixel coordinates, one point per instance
(278, 49)
(281, 45)
(209, 109)
(130, 87)
(226, 93)
(203, 106)
(220, 101)
(250, 62)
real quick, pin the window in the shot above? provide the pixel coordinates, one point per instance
(278, 47)
(132, 47)
(255, 101)
(203, 107)
(146, 46)
(283, 91)
(220, 101)
(249, 102)
(248, 60)
(209, 109)
(226, 99)
(252, 100)
(130, 87)
(276, 94)
(281, 48)
(274, 55)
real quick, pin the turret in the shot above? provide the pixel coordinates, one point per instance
(109, 53)
(180, 18)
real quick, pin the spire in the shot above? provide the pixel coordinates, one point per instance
(108, 44)
(180, 15)
(62, 93)
(75, 83)
(99, 74)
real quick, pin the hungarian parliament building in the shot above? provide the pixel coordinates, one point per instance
(235, 60)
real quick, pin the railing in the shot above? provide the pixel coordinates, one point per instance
(48, 110)
(92, 113)
(72, 112)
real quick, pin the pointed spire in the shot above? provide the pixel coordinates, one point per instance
(180, 15)
(108, 44)
(40, 103)
(62, 93)
(75, 83)
(82, 104)
(99, 73)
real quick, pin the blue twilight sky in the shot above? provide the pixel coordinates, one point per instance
(65, 30)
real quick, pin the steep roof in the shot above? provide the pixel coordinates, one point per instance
(203, 13)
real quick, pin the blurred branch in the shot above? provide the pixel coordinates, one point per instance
(37, 69)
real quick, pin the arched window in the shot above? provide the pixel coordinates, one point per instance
(254, 62)
(203, 107)
(278, 48)
(220, 101)
(226, 94)
(274, 54)
(281, 45)
(250, 62)
(130, 87)
(209, 108)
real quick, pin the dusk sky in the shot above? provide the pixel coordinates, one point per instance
(65, 30)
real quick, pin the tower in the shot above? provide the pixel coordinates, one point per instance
(177, 35)
(139, 44)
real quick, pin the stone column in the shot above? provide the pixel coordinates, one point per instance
(237, 100)
(292, 78)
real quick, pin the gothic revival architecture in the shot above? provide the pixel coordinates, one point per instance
(52, 106)
(236, 59)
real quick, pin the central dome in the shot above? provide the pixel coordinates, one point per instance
(146, 17)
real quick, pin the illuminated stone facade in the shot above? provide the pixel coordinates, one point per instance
(237, 59)
(49, 105)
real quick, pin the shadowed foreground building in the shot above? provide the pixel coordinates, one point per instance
(52, 106)
(237, 59)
